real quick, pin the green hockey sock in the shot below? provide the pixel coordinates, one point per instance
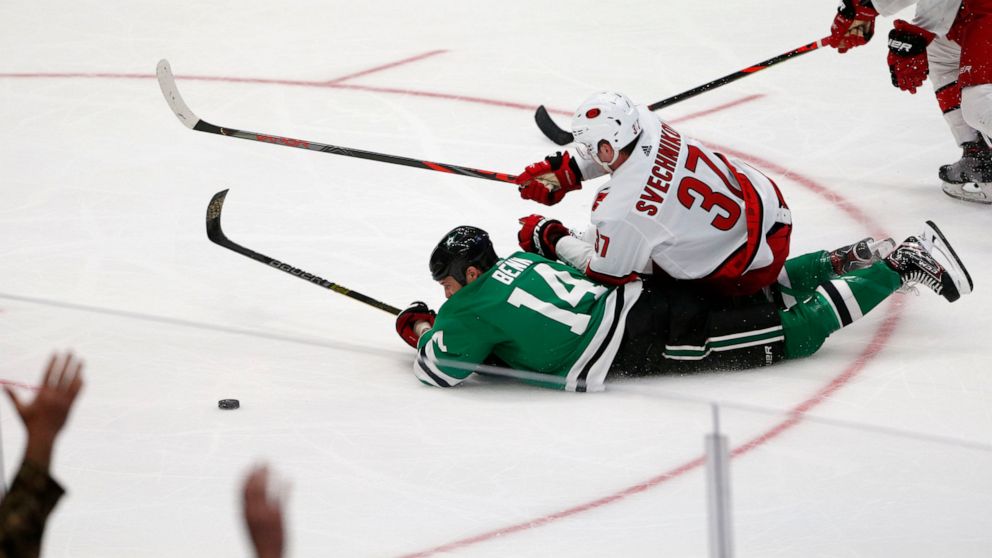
(835, 303)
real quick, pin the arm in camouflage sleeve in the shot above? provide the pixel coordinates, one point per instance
(25, 509)
(34, 493)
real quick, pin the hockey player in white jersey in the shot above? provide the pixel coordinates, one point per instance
(951, 41)
(671, 207)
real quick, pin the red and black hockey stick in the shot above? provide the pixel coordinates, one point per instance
(167, 83)
(216, 235)
(562, 137)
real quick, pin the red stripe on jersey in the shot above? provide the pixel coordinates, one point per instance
(606, 279)
(949, 97)
(731, 277)
(779, 239)
(754, 216)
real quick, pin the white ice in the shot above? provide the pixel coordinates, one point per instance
(102, 249)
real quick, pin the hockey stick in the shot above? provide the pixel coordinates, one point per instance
(167, 82)
(217, 236)
(562, 137)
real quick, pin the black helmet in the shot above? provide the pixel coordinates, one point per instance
(462, 247)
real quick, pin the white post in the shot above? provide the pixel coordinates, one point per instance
(718, 491)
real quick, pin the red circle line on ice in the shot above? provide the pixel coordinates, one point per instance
(878, 341)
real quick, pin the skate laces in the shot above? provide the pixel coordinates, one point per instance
(917, 266)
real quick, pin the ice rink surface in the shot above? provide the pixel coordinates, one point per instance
(876, 446)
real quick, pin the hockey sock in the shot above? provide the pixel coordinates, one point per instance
(835, 304)
(800, 276)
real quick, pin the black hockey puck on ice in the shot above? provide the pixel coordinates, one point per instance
(228, 404)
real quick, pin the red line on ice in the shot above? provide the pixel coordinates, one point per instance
(18, 384)
(717, 108)
(878, 341)
(386, 66)
(290, 82)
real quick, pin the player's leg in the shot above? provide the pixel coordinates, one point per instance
(836, 303)
(803, 274)
(927, 260)
(976, 106)
(976, 65)
(944, 56)
(680, 327)
(971, 177)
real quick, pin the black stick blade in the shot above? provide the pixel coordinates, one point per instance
(550, 129)
(217, 236)
(214, 232)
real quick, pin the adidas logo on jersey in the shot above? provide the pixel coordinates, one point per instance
(646, 149)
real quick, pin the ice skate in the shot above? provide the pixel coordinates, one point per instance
(930, 261)
(861, 254)
(970, 178)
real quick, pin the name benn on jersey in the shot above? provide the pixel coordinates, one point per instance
(662, 172)
(507, 271)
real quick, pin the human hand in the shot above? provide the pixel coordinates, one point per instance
(853, 26)
(407, 322)
(908, 55)
(549, 180)
(263, 513)
(45, 416)
(539, 235)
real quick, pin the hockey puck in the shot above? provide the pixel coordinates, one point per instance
(228, 404)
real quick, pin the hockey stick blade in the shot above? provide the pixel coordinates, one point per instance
(216, 235)
(167, 83)
(562, 137)
(550, 129)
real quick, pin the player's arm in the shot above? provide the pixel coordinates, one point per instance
(576, 249)
(551, 239)
(449, 353)
(618, 252)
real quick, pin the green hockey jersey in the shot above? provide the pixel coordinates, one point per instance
(534, 315)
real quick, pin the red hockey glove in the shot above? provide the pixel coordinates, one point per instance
(854, 25)
(548, 181)
(908, 55)
(539, 235)
(407, 320)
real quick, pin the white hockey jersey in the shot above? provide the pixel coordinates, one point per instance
(935, 16)
(679, 206)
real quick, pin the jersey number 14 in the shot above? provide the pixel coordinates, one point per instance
(567, 289)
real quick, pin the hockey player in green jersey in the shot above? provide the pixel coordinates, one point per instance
(544, 317)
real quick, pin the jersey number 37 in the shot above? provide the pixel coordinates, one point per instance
(691, 190)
